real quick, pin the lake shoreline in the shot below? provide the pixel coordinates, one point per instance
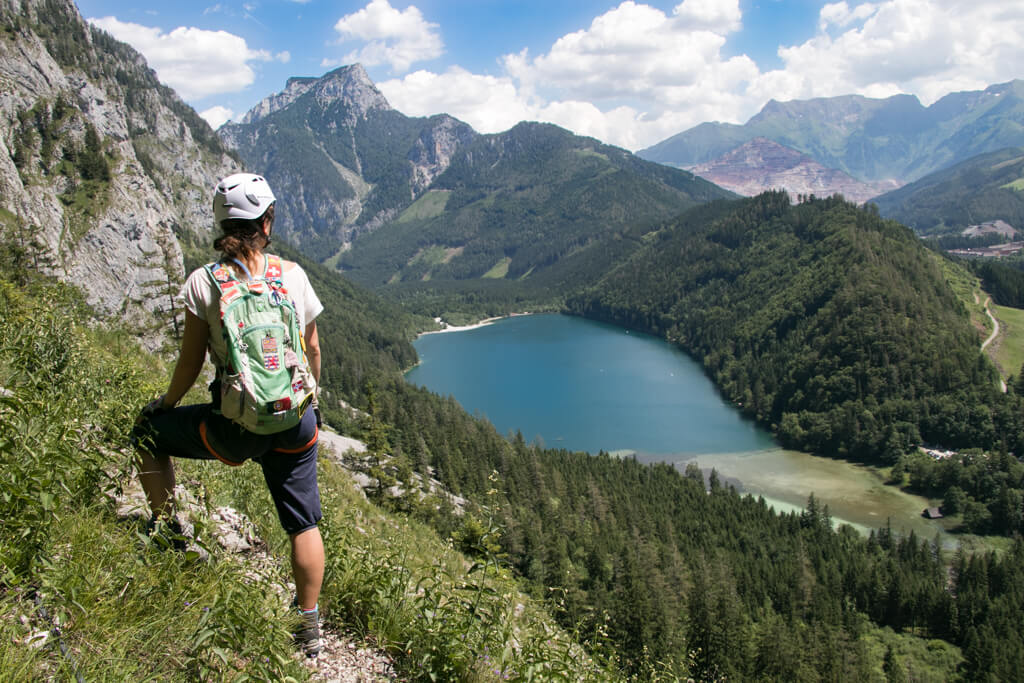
(583, 385)
(463, 328)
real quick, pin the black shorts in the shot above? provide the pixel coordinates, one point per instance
(288, 458)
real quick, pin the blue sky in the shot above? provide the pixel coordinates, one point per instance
(630, 73)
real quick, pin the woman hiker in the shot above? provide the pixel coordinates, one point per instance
(243, 207)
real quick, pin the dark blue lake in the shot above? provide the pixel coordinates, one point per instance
(583, 385)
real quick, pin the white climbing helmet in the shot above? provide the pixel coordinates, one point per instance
(242, 195)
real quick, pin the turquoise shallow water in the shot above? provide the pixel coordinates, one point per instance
(583, 385)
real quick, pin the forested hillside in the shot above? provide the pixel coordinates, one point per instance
(534, 201)
(833, 327)
(678, 582)
(984, 188)
(670, 581)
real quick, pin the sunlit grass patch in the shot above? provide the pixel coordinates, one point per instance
(430, 205)
(1010, 350)
(498, 270)
(967, 288)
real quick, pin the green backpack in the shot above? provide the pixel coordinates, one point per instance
(266, 385)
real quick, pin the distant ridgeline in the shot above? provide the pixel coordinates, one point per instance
(871, 139)
(533, 202)
(823, 321)
(984, 188)
(429, 200)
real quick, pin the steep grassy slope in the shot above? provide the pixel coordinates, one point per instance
(128, 610)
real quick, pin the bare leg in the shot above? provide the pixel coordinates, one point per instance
(307, 566)
(156, 474)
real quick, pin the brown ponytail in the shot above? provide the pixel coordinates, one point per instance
(244, 237)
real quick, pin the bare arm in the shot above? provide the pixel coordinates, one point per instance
(313, 350)
(190, 359)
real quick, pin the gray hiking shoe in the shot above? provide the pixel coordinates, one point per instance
(307, 637)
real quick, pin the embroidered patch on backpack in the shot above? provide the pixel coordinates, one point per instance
(269, 345)
(271, 362)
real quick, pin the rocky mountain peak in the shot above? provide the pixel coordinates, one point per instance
(295, 88)
(349, 86)
(352, 88)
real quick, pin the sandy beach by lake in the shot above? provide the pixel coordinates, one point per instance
(462, 328)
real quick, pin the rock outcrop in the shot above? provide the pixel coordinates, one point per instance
(342, 162)
(762, 164)
(102, 168)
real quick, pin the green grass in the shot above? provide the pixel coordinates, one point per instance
(919, 659)
(87, 201)
(434, 255)
(499, 270)
(129, 611)
(967, 288)
(430, 205)
(1017, 185)
(1009, 352)
(588, 152)
(8, 219)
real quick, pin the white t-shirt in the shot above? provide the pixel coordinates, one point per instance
(202, 299)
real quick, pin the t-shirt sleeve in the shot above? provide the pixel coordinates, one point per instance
(311, 306)
(196, 293)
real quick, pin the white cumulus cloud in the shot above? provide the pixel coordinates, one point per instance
(399, 38)
(839, 14)
(924, 47)
(634, 76)
(720, 16)
(193, 61)
(637, 75)
(217, 116)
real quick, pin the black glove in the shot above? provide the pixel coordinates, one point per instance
(319, 420)
(151, 409)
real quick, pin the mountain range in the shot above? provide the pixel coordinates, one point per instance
(430, 199)
(893, 139)
(342, 160)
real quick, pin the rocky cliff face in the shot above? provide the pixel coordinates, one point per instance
(101, 165)
(761, 165)
(341, 161)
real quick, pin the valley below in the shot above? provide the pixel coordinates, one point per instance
(580, 385)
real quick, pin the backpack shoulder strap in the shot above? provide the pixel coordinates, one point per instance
(225, 280)
(220, 273)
